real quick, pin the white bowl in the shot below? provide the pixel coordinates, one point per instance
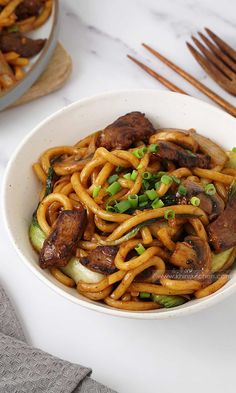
(165, 109)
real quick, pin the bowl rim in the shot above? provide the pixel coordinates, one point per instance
(162, 313)
(16, 91)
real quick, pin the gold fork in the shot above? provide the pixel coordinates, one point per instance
(219, 61)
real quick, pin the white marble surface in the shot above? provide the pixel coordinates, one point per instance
(196, 353)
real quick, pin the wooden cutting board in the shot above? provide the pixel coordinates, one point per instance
(53, 78)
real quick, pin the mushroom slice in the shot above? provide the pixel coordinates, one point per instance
(194, 257)
(180, 137)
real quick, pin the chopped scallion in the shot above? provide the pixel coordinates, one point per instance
(96, 190)
(140, 249)
(112, 178)
(176, 180)
(122, 206)
(166, 179)
(133, 200)
(157, 185)
(147, 175)
(153, 148)
(169, 214)
(134, 175)
(151, 194)
(111, 209)
(127, 176)
(210, 189)
(182, 190)
(157, 203)
(234, 149)
(195, 201)
(145, 184)
(139, 153)
(142, 198)
(114, 188)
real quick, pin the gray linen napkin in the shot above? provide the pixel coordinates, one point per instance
(24, 369)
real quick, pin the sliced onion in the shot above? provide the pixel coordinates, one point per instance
(79, 272)
(217, 154)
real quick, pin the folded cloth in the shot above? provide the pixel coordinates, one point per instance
(24, 369)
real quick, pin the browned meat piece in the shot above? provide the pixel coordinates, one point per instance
(28, 8)
(222, 232)
(24, 46)
(60, 245)
(101, 259)
(193, 188)
(151, 275)
(127, 129)
(193, 256)
(183, 157)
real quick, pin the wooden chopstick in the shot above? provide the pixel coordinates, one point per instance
(193, 81)
(157, 76)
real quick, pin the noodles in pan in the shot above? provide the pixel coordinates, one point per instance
(137, 218)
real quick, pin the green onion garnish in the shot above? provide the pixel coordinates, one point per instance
(96, 190)
(147, 175)
(158, 175)
(234, 149)
(145, 184)
(190, 153)
(153, 148)
(151, 194)
(157, 185)
(176, 180)
(122, 206)
(114, 188)
(195, 201)
(144, 295)
(111, 209)
(134, 175)
(139, 166)
(169, 214)
(182, 190)
(157, 203)
(165, 179)
(140, 249)
(143, 204)
(119, 169)
(127, 176)
(112, 178)
(133, 200)
(142, 198)
(139, 153)
(210, 189)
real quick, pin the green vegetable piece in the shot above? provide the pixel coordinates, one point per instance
(153, 148)
(151, 194)
(127, 176)
(140, 249)
(169, 301)
(157, 185)
(210, 189)
(122, 206)
(195, 201)
(157, 203)
(182, 190)
(133, 199)
(144, 295)
(166, 179)
(176, 180)
(96, 190)
(169, 214)
(134, 175)
(36, 235)
(139, 153)
(147, 175)
(49, 181)
(219, 260)
(112, 178)
(114, 188)
(12, 29)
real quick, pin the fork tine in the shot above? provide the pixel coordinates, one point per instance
(200, 86)
(209, 67)
(222, 44)
(218, 52)
(212, 58)
(157, 76)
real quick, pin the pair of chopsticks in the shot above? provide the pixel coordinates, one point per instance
(193, 81)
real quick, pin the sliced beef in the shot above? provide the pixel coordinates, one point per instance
(60, 245)
(222, 232)
(101, 259)
(183, 157)
(28, 8)
(17, 42)
(127, 129)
